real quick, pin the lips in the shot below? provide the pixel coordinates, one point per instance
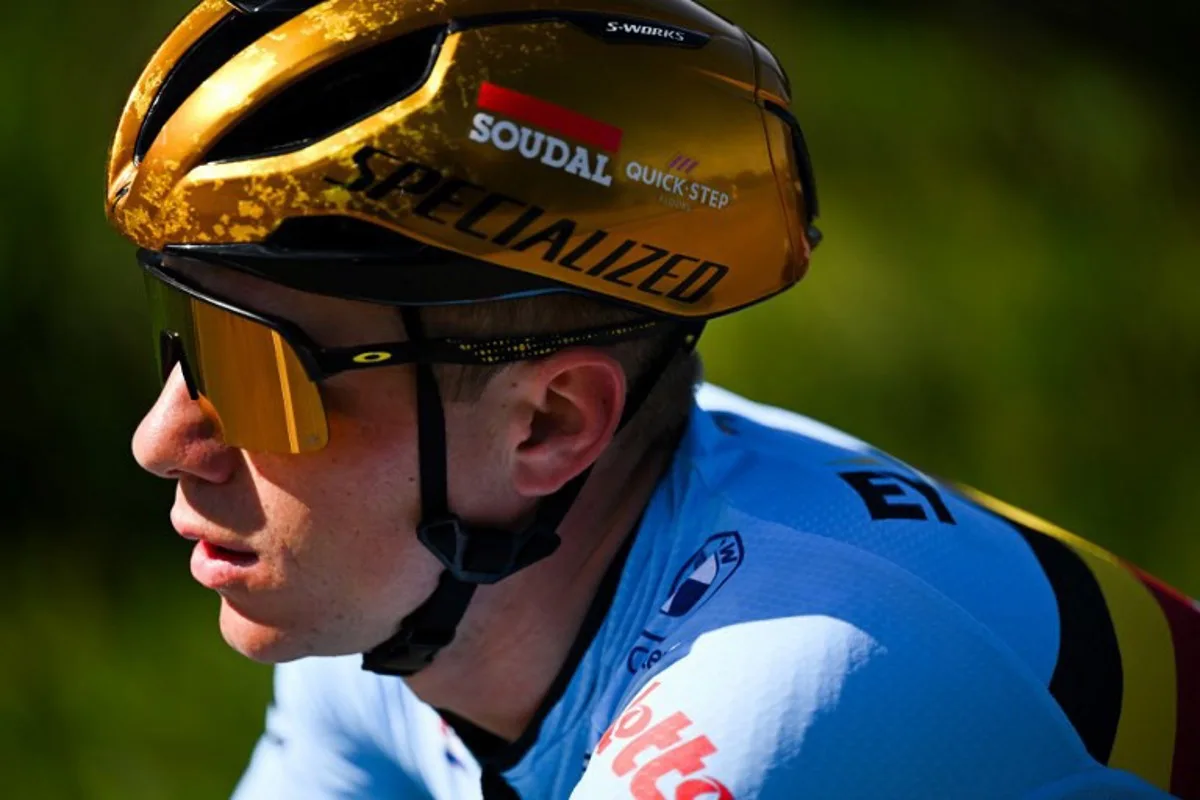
(232, 554)
(217, 562)
(219, 547)
(218, 567)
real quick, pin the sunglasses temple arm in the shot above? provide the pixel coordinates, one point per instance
(171, 352)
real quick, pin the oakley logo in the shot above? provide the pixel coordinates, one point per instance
(373, 357)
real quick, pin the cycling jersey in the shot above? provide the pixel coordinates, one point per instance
(799, 615)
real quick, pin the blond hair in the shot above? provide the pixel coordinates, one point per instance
(663, 413)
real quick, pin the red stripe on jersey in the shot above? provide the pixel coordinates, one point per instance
(551, 117)
(1184, 618)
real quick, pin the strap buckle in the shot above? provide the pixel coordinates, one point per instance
(408, 651)
(484, 555)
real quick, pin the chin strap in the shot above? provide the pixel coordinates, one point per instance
(474, 554)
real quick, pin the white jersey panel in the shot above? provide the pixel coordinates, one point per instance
(335, 731)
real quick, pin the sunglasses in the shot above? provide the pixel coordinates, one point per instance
(258, 375)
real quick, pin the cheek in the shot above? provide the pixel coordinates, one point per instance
(343, 519)
(354, 513)
(344, 562)
(479, 467)
(343, 566)
(367, 471)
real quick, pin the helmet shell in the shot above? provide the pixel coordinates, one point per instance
(631, 152)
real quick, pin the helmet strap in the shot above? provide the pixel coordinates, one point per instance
(473, 554)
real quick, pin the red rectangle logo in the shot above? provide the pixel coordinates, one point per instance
(550, 117)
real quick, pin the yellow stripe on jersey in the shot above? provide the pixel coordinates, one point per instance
(1144, 741)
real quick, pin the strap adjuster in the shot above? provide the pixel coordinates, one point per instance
(484, 555)
(408, 651)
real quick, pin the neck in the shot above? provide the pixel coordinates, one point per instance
(517, 634)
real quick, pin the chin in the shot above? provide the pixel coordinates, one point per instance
(262, 641)
(273, 642)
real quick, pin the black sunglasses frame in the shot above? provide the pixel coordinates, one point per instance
(321, 363)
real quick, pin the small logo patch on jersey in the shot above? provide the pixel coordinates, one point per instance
(451, 741)
(704, 573)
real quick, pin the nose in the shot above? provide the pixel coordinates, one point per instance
(180, 436)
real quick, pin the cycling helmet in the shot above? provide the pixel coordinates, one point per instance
(426, 152)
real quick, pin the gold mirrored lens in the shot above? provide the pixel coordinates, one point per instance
(244, 371)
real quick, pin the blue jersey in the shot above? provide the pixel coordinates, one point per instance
(798, 616)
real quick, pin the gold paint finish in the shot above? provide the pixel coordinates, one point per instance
(691, 115)
(193, 26)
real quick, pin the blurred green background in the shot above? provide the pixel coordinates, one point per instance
(1007, 296)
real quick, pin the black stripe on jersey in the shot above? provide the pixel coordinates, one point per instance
(1088, 680)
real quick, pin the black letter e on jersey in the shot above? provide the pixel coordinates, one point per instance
(884, 493)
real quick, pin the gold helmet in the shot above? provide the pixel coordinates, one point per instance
(421, 152)
(433, 151)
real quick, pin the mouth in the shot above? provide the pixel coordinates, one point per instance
(232, 555)
(219, 564)
(218, 567)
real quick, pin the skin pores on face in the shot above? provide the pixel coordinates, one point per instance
(338, 562)
(336, 534)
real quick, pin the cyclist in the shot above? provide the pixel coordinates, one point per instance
(426, 278)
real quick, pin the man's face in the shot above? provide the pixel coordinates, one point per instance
(314, 553)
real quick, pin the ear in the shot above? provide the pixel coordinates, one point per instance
(574, 401)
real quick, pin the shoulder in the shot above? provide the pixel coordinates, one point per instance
(795, 471)
(324, 737)
(884, 612)
(334, 704)
(333, 730)
(795, 489)
(830, 703)
(714, 399)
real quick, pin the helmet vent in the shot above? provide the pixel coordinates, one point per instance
(226, 38)
(287, 6)
(338, 235)
(328, 100)
(360, 260)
